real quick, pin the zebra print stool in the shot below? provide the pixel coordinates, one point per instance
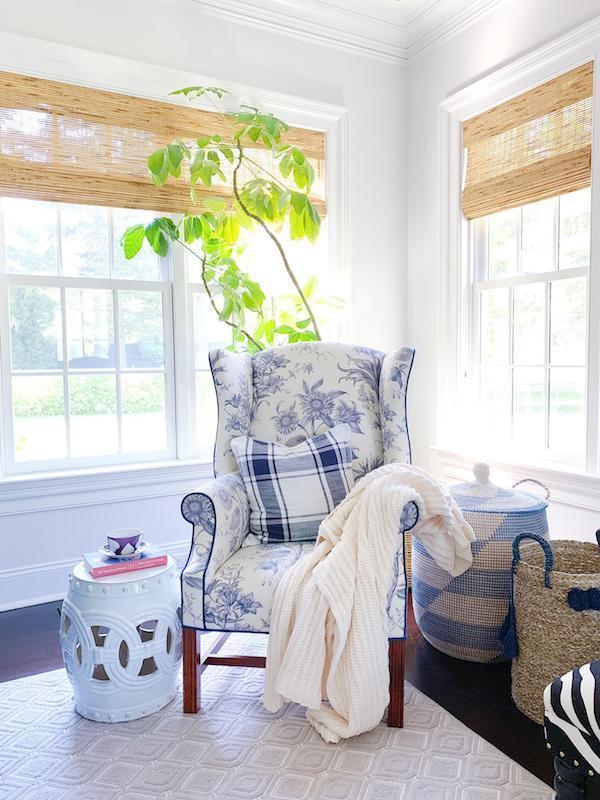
(572, 730)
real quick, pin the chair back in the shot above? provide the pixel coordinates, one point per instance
(290, 393)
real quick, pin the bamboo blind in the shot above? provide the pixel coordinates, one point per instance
(74, 144)
(535, 146)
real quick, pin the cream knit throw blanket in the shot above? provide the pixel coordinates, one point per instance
(329, 628)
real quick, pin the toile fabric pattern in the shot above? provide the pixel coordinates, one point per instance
(290, 393)
(286, 395)
(292, 489)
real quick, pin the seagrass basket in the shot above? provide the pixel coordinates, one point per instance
(556, 596)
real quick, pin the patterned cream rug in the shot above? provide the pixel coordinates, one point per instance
(235, 750)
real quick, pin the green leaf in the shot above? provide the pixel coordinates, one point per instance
(192, 228)
(284, 329)
(175, 154)
(216, 204)
(156, 162)
(132, 240)
(193, 92)
(156, 238)
(304, 323)
(168, 226)
(227, 310)
(310, 286)
(229, 229)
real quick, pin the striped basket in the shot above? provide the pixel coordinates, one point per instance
(463, 616)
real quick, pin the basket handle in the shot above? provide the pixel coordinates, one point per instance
(533, 480)
(549, 555)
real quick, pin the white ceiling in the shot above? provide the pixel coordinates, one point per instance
(391, 30)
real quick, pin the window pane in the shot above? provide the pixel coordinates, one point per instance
(567, 321)
(206, 414)
(567, 410)
(84, 241)
(529, 323)
(30, 235)
(538, 236)
(209, 332)
(495, 404)
(529, 408)
(494, 326)
(35, 328)
(145, 266)
(144, 416)
(141, 329)
(93, 415)
(574, 242)
(39, 423)
(90, 328)
(503, 243)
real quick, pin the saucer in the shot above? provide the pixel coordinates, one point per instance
(106, 551)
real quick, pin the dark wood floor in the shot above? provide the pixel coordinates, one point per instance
(477, 694)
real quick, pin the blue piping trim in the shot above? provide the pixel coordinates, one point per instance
(190, 554)
(212, 375)
(412, 361)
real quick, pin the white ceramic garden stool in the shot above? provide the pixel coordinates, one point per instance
(121, 641)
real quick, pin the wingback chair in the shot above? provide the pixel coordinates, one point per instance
(286, 394)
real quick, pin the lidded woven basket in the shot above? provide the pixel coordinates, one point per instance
(462, 616)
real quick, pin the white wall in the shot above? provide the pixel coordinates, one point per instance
(43, 544)
(511, 31)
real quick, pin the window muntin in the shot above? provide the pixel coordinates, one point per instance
(529, 292)
(87, 375)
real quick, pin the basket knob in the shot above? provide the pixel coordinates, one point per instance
(481, 472)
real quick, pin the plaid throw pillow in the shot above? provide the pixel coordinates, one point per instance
(292, 489)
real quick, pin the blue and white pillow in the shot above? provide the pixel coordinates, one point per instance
(292, 489)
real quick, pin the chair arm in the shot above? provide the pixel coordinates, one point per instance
(220, 515)
(396, 601)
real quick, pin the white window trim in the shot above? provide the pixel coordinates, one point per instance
(454, 290)
(29, 56)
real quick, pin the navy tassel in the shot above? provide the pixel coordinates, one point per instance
(508, 634)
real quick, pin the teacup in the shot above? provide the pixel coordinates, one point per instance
(124, 542)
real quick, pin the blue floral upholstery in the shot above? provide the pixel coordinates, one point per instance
(286, 394)
(290, 393)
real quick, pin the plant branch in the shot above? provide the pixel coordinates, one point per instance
(211, 299)
(266, 171)
(275, 241)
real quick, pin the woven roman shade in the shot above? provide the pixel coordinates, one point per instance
(534, 146)
(68, 143)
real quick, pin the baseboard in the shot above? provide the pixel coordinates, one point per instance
(45, 583)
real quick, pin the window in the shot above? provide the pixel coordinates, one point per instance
(524, 338)
(529, 309)
(104, 361)
(85, 338)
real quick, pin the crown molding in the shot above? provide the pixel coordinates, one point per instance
(393, 31)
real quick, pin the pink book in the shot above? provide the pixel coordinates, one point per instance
(101, 566)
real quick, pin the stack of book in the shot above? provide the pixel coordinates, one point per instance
(100, 565)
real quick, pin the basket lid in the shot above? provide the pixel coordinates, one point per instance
(483, 495)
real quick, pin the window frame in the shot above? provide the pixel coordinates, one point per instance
(480, 282)
(10, 465)
(76, 65)
(454, 239)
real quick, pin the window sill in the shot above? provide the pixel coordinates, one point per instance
(568, 486)
(24, 494)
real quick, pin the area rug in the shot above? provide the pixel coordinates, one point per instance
(235, 750)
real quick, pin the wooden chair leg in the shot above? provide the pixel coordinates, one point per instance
(191, 671)
(396, 706)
